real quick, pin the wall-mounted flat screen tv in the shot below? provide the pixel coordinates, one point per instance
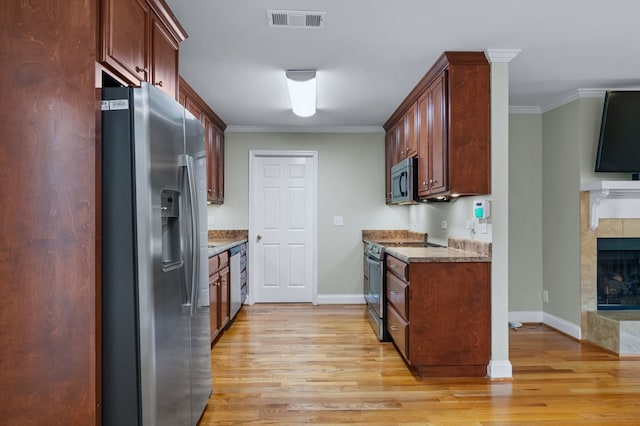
(619, 142)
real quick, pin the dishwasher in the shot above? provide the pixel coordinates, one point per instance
(235, 289)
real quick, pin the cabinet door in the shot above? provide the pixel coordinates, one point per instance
(216, 167)
(164, 60)
(209, 145)
(438, 135)
(220, 164)
(410, 132)
(432, 139)
(193, 108)
(400, 141)
(388, 152)
(124, 38)
(224, 297)
(398, 130)
(424, 151)
(214, 304)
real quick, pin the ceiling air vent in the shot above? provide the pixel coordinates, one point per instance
(295, 19)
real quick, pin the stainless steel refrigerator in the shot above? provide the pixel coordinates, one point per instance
(156, 365)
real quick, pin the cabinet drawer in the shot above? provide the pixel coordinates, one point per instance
(398, 267)
(224, 259)
(398, 295)
(213, 264)
(398, 330)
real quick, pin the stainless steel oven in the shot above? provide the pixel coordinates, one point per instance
(374, 289)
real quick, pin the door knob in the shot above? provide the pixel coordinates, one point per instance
(259, 237)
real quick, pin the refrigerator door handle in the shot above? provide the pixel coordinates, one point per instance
(195, 236)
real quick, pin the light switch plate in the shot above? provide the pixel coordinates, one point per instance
(338, 220)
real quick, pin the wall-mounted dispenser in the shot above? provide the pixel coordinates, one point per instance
(482, 209)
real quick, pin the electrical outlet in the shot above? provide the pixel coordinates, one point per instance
(545, 296)
(444, 224)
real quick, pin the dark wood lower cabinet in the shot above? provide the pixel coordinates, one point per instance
(443, 327)
(218, 293)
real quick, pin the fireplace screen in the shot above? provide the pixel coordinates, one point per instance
(618, 281)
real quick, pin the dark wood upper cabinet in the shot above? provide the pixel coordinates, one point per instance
(410, 134)
(388, 163)
(125, 32)
(452, 104)
(432, 158)
(220, 166)
(214, 139)
(139, 42)
(164, 59)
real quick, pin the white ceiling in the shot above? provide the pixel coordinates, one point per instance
(371, 53)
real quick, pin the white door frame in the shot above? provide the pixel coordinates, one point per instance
(313, 156)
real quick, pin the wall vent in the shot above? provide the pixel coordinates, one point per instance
(295, 19)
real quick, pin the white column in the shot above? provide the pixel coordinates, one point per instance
(500, 366)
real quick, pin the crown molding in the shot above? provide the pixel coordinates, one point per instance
(515, 109)
(574, 95)
(501, 55)
(300, 129)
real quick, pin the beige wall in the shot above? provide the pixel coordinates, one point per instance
(561, 161)
(525, 218)
(428, 218)
(350, 184)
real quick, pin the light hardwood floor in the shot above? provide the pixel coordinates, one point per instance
(302, 364)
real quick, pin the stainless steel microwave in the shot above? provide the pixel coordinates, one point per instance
(404, 179)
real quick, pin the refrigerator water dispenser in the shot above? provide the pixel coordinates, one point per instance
(170, 210)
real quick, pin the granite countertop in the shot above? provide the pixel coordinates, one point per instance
(435, 254)
(414, 247)
(222, 240)
(218, 246)
(395, 236)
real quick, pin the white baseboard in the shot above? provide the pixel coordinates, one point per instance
(564, 326)
(560, 324)
(341, 299)
(499, 370)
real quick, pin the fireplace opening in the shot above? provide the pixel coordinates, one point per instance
(618, 279)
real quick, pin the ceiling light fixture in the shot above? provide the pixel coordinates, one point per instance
(302, 91)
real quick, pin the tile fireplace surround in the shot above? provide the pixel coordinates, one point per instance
(617, 331)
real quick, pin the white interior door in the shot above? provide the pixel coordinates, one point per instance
(282, 231)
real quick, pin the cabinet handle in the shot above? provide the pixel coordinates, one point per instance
(159, 83)
(138, 69)
(394, 328)
(393, 293)
(209, 190)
